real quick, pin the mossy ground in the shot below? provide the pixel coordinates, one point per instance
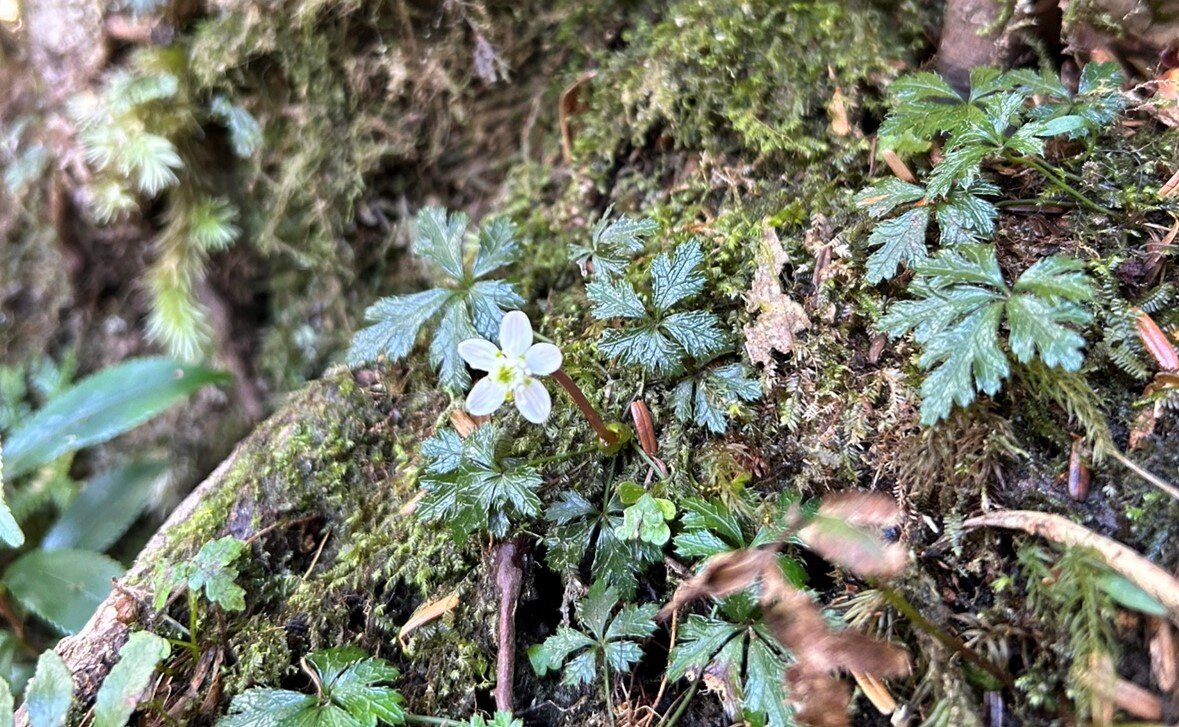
(721, 121)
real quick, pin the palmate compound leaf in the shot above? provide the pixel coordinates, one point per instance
(654, 337)
(470, 489)
(961, 303)
(354, 694)
(581, 527)
(464, 306)
(613, 641)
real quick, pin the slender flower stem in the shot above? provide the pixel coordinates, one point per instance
(591, 415)
(1060, 182)
(561, 457)
(431, 721)
(900, 603)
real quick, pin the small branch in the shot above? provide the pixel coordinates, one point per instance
(507, 580)
(591, 414)
(1137, 469)
(900, 603)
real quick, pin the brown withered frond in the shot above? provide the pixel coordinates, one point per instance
(838, 533)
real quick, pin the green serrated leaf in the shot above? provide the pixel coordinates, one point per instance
(765, 683)
(646, 347)
(359, 684)
(901, 240)
(697, 332)
(51, 692)
(261, 707)
(595, 608)
(100, 407)
(497, 247)
(62, 587)
(439, 239)
(615, 299)
(675, 275)
(396, 322)
(699, 640)
(612, 244)
(887, 194)
(105, 508)
(129, 678)
(455, 327)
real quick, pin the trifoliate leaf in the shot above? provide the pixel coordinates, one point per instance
(582, 526)
(463, 307)
(49, 695)
(124, 686)
(901, 240)
(647, 520)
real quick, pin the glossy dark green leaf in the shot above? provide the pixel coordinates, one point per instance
(106, 507)
(101, 407)
(62, 587)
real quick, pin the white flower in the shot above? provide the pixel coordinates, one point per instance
(512, 369)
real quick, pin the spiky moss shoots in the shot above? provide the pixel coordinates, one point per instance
(318, 491)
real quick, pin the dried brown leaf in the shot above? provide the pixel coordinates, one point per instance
(722, 575)
(867, 509)
(898, 166)
(819, 699)
(779, 318)
(861, 550)
(1156, 342)
(426, 613)
(1164, 654)
(876, 692)
(837, 112)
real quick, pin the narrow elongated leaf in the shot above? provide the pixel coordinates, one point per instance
(124, 686)
(101, 407)
(105, 508)
(63, 587)
(50, 692)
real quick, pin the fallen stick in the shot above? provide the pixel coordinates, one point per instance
(1159, 584)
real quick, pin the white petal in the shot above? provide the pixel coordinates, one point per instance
(543, 359)
(533, 401)
(479, 354)
(515, 333)
(486, 396)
